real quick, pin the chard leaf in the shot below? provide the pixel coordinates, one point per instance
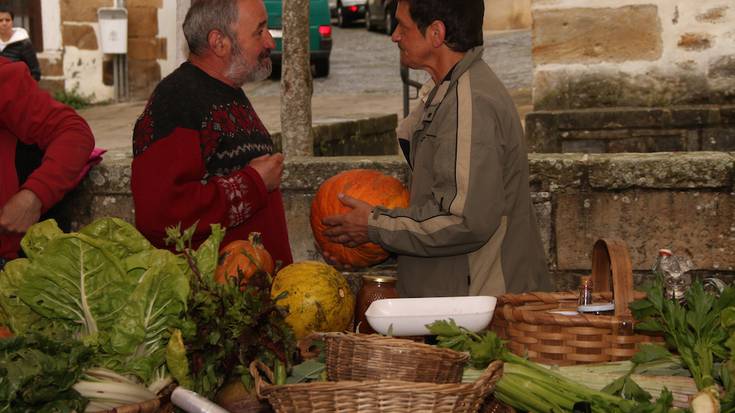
(77, 281)
(38, 236)
(138, 338)
(120, 238)
(207, 255)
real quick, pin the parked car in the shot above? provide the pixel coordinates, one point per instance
(320, 35)
(349, 10)
(380, 15)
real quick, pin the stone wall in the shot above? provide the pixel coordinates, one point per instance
(80, 65)
(507, 14)
(682, 201)
(610, 53)
(632, 75)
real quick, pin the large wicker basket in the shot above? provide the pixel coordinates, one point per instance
(373, 357)
(525, 320)
(377, 396)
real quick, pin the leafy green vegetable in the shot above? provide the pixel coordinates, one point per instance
(528, 386)
(176, 360)
(229, 327)
(37, 374)
(105, 285)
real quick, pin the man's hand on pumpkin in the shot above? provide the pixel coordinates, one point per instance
(350, 229)
(332, 260)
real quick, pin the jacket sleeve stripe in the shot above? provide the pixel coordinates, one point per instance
(463, 145)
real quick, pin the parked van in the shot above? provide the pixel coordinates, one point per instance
(320, 35)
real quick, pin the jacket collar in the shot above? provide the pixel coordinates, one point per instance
(462, 66)
(19, 34)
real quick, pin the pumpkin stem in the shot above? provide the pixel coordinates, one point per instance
(255, 238)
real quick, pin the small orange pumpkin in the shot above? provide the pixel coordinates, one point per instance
(243, 258)
(366, 185)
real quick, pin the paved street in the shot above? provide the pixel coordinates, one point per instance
(364, 81)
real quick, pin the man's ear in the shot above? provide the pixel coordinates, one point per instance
(219, 43)
(436, 32)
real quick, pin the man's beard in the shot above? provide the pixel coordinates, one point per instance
(241, 71)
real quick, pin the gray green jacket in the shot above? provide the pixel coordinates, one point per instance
(470, 226)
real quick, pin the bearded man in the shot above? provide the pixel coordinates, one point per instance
(200, 152)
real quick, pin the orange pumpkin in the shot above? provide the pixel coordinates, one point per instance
(366, 185)
(5, 332)
(243, 258)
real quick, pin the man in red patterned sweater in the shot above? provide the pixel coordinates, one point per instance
(29, 115)
(201, 154)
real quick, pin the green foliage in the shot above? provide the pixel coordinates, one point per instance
(105, 285)
(37, 374)
(228, 326)
(73, 98)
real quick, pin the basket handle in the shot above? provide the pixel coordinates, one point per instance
(488, 379)
(256, 366)
(610, 257)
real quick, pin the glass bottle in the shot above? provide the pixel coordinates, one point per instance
(374, 287)
(585, 290)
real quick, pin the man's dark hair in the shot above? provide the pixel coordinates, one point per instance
(7, 9)
(462, 19)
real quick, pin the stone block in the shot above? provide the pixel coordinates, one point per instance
(584, 146)
(661, 170)
(142, 22)
(722, 67)
(80, 36)
(144, 75)
(144, 3)
(543, 207)
(582, 35)
(82, 11)
(565, 89)
(308, 173)
(541, 132)
(556, 172)
(694, 116)
(727, 114)
(713, 15)
(695, 41)
(52, 85)
(143, 48)
(718, 139)
(698, 223)
(51, 66)
(612, 118)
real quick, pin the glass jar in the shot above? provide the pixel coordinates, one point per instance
(374, 287)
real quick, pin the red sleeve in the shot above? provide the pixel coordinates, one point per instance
(170, 186)
(33, 116)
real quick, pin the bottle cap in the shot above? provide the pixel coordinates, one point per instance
(585, 280)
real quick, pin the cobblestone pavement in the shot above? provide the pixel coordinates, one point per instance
(364, 81)
(365, 62)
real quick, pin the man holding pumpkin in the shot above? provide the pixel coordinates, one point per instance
(470, 226)
(201, 154)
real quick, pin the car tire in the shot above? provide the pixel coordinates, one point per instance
(321, 68)
(341, 21)
(388, 23)
(368, 18)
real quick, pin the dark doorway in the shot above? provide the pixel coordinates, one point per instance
(28, 15)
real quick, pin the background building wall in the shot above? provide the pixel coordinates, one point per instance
(507, 14)
(610, 53)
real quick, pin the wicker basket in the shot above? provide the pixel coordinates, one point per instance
(374, 396)
(525, 322)
(374, 357)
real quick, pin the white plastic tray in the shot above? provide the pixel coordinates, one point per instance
(409, 316)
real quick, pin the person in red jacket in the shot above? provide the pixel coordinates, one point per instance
(200, 152)
(29, 115)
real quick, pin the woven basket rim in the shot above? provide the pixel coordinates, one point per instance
(377, 341)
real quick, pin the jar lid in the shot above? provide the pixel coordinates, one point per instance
(597, 307)
(379, 278)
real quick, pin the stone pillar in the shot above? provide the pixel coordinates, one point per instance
(144, 47)
(296, 81)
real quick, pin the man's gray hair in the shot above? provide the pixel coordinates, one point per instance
(205, 16)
